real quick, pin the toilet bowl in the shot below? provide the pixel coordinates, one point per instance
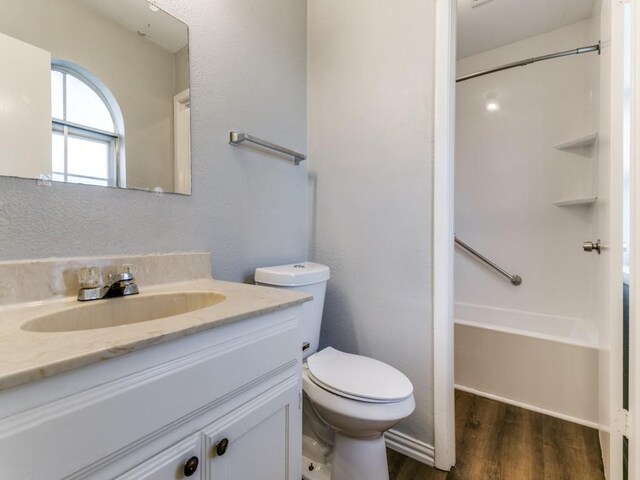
(350, 400)
(358, 410)
(351, 405)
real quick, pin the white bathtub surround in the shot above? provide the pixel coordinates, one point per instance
(568, 330)
(540, 362)
(521, 174)
(514, 150)
(509, 173)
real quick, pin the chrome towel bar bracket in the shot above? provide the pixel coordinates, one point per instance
(236, 138)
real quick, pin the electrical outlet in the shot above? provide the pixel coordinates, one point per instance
(43, 180)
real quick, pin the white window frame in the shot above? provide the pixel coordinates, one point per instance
(67, 129)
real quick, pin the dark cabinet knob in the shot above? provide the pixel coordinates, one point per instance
(221, 447)
(191, 466)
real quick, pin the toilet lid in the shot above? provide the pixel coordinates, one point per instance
(358, 377)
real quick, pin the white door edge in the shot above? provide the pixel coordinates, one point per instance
(443, 208)
(634, 291)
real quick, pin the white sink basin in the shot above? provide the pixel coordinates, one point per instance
(122, 311)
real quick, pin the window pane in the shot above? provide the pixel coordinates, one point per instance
(57, 152)
(57, 98)
(87, 158)
(85, 107)
(87, 181)
(57, 177)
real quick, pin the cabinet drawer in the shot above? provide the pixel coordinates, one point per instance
(175, 463)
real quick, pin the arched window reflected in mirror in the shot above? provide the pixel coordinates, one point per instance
(75, 89)
(87, 129)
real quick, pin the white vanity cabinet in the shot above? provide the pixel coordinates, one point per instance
(229, 397)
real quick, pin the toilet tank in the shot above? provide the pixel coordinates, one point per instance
(304, 277)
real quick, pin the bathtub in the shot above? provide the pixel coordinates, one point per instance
(544, 363)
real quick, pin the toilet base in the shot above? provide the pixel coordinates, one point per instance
(363, 458)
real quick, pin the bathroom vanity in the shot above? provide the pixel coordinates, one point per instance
(211, 393)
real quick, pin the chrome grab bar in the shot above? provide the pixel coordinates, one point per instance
(514, 279)
(237, 138)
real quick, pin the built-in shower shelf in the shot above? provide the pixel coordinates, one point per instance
(572, 202)
(584, 141)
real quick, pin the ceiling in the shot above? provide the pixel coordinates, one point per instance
(135, 15)
(500, 22)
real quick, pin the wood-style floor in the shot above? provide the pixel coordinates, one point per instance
(496, 441)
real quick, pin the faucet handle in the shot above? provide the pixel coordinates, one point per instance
(124, 273)
(90, 277)
(128, 268)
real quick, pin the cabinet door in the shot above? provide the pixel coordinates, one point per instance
(174, 463)
(261, 440)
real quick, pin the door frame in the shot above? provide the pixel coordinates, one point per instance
(443, 189)
(634, 260)
(182, 142)
(443, 248)
(613, 423)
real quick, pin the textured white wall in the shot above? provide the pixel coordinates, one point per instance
(370, 145)
(248, 72)
(508, 174)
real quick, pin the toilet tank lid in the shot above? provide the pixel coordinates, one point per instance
(293, 275)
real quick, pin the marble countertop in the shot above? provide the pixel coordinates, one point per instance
(28, 356)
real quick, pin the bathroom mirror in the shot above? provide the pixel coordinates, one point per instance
(95, 92)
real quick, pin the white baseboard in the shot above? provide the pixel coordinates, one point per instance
(409, 446)
(533, 408)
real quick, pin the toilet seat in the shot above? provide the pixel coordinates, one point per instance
(358, 378)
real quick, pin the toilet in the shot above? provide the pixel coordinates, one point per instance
(349, 400)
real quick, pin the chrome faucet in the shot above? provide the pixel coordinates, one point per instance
(120, 284)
